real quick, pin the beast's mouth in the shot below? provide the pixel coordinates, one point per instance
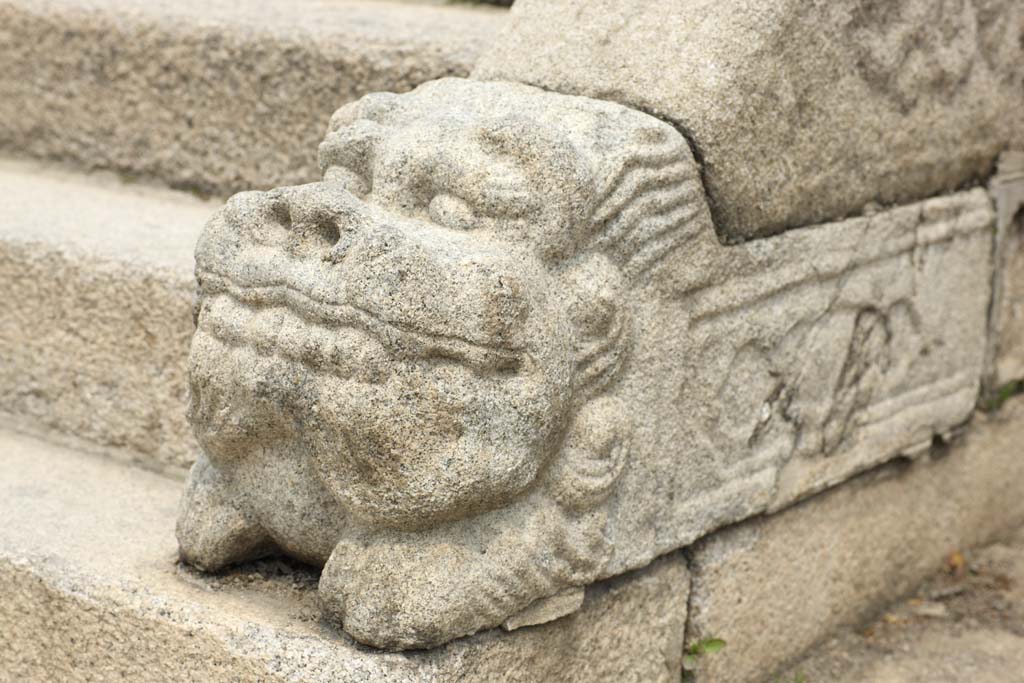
(280, 319)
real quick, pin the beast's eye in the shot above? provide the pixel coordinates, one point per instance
(349, 179)
(451, 212)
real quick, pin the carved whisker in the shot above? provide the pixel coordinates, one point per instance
(652, 253)
(657, 157)
(640, 181)
(621, 232)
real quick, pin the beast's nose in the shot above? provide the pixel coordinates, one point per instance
(325, 219)
(437, 292)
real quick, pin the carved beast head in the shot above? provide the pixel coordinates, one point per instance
(425, 345)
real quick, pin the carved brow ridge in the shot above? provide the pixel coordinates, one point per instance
(385, 331)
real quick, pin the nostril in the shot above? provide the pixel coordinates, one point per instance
(325, 228)
(325, 218)
(341, 246)
(325, 234)
(280, 212)
(316, 232)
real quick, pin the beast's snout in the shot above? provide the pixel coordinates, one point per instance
(322, 249)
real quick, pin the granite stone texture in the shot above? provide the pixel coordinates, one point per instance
(800, 111)
(96, 312)
(957, 626)
(92, 593)
(499, 352)
(212, 96)
(777, 586)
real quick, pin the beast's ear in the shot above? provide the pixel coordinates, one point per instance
(600, 324)
(593, 456)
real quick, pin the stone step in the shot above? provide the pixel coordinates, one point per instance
(93, 591)
(966, 623)
(775, 588)
(213, 95)
(96, 312)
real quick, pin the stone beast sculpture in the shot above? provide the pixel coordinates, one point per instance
(407, 372)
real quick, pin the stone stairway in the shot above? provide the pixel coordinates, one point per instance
(215, 96)
(93, 591)
(163, 94)
(123, 125)
(97, 310)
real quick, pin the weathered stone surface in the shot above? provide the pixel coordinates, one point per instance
(802, 112)
(1007, 335)
(92, 593)
(213, 96)
(966, 623)
(96, 312)
(774, 587)
(499, 352)
(941, 654)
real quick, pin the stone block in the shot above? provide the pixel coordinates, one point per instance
(212, 96)
(800, 113)
(776, 586)
(92, 592)
(499, 352)
(96, 312)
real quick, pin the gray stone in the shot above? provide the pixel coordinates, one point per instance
(212, 96)
(940, 655)
(96, 312)
(774, 588)
(499, 352)
(801, 112)
(979, 637)
(1006, 340)
(92, 593)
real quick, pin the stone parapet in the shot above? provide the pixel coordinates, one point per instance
(800, 113)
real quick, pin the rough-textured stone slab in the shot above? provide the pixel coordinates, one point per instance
(1007, 335)
(499, 352)
(966, 623)
(96, 311)
(92, 592)
(940, 653)
(217, 95)
(802, 113)
(816, 354)
(774, 587)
